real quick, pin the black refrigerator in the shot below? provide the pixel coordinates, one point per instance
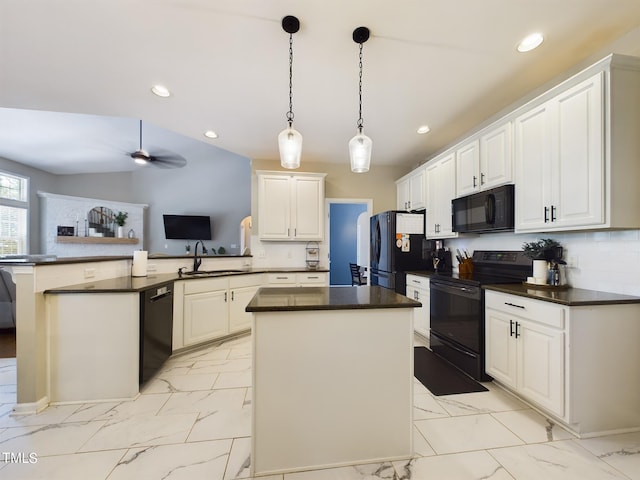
(398, 245)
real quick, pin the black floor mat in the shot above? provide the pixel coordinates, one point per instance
(439, 376)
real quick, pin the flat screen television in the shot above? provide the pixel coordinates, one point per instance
(187, 227)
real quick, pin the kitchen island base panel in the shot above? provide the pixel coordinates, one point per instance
(95, 359)
(331, 388)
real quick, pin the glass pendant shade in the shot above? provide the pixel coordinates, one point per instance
(290, 146)
(360, 153)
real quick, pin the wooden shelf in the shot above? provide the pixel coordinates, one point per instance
(112, 240)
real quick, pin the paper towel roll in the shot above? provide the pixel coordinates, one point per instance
(139, 267)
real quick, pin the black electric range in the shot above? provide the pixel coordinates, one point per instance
(457, 307)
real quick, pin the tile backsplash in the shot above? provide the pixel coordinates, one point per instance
(607, 261)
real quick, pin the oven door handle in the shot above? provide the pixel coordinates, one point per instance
(455, 290)
(459, 350)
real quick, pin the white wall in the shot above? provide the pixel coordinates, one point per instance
(60, 210)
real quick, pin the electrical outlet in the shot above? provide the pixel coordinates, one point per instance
(151, 267)
(166, 246)
(89, 272)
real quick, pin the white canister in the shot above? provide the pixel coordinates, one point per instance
(540, 271)
(139, 266)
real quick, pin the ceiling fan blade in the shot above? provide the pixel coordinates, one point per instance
(168, 160)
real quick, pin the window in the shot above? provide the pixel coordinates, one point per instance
(14, 208)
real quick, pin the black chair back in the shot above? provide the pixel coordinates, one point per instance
(356, 278)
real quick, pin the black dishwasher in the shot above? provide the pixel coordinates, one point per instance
(156, 328)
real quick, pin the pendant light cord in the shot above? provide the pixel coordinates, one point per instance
(360, 122)
(290, 112)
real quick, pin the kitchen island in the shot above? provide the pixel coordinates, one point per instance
(332, 377)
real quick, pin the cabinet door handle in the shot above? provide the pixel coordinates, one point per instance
(225, 297)
(546, 214)
(289, 231)
(482, 179)
(517, 328)
(553, 213)
(475, 181)
(409, 205)
(511, 328)
(514, 305)
(232, 295)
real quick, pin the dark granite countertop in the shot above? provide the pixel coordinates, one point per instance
(422, 273)
(572, 297)
(270, 299)
(53, 260)
(135, 284)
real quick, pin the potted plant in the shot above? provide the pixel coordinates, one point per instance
(542, 252)
(121, 219)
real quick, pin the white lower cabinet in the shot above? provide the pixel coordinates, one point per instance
(578, 364)
(242, 288)
(418, 289)
(214, 307)
(526, 356)
(205, 310)
(316, 279)
(290, 279)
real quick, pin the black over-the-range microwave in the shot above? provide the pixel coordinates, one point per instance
(488, 211)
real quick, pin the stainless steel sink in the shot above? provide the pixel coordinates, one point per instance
(212, 273)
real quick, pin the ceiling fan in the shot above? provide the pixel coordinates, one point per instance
(162, 159)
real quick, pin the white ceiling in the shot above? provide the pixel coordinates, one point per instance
(447, 64)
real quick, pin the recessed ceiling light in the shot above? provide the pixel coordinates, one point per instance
(530, 42)
(160, 91)
(210, 134)
(424, 129)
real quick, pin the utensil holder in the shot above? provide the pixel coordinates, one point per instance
(465, 267)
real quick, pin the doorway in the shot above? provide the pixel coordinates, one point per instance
(346, 237)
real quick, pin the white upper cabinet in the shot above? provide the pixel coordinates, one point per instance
(485, 162)
(576, 151)
(411, 191)
(441, 189)
(496, 156)
(572, 153)
(468, 168)
(291, 207)
(560, 160)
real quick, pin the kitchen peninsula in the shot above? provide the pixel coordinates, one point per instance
(337, 362)
(42, 282)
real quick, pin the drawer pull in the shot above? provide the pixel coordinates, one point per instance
(514, 305)
(282, 278)
(312, 278)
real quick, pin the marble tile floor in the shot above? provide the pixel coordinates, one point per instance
(193, 421)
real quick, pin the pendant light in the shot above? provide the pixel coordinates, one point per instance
(360, 145)
(290, 140)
